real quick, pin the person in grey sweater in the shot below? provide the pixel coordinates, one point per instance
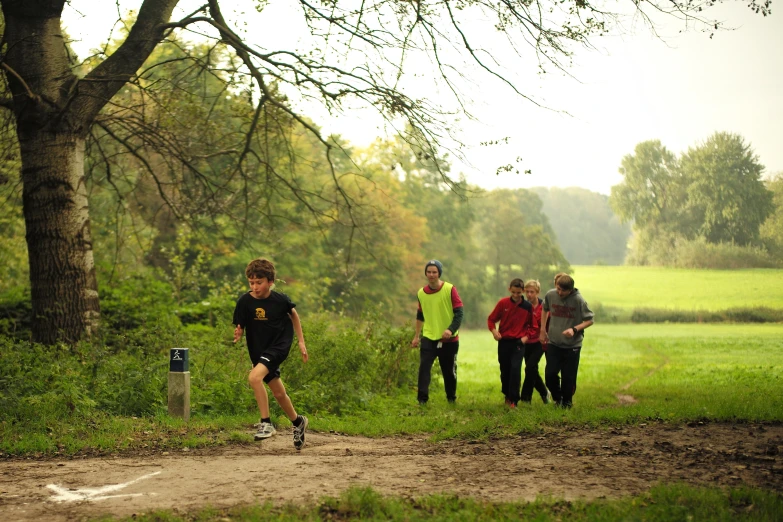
(568, 315)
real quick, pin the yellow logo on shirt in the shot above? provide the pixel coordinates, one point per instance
(260, 314)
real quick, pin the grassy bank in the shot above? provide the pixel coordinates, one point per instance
(661, 504)
(677, 373)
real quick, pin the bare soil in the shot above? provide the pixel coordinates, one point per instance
(569, 464)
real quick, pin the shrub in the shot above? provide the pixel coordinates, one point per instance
(737, 315)
(678, 252)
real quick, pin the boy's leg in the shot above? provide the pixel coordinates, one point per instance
(427, 355)
(447, 357)
(552, 372)
(570, 367)
(282, 398)
(300, 422)
(256, 381)
(533, 355)
(504, 361)
(515, 372)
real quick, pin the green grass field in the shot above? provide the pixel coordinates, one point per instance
(679, 373)
(629, 287)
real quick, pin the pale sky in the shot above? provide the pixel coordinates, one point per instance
(633, 88)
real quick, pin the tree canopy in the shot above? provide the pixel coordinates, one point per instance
(355, 54)
(713, 192)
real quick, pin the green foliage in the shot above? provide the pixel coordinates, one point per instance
(354, 362)
(16, 313)
(678, 252)
(514, 239)
(772, 230)
(651, 192)
(712, 195)
(123, 371)
(13, 249)
(726, 199)
(736, 315)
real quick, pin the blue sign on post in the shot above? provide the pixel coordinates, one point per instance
(179, 360)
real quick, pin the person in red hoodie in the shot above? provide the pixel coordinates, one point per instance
(515, 316)
(533, 348)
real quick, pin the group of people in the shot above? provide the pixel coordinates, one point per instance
(524, 325)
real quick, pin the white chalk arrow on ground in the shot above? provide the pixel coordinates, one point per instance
(92, 494)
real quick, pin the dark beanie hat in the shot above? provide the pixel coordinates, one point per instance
(437, 264)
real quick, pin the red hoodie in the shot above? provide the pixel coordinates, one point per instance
(534, 333)
(515, 318)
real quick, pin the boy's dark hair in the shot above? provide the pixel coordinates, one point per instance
(517, 282)
(565, 282)
(260, 268)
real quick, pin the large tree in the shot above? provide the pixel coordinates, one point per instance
(357, 54)
(726, 197)
(652, 192)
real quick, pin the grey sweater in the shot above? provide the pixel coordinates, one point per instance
(564, 314)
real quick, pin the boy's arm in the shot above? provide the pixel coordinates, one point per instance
(455, 323)
(456, 307)
(492, 321)
(419, 323)
(417, 332)
(238, 322)
(299, 334)
(587, 321)
(528, 326)
(574, 330)
(544, 334)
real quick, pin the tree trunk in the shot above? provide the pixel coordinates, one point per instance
(62, 271)
(54, 111)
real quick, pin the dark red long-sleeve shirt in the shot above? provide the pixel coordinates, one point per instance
(515, 318)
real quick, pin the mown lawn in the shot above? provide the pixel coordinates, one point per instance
(629, 287)
(678, 373)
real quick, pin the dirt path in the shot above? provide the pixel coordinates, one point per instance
(571, 464)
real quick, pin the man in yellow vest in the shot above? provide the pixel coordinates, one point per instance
(439, 316)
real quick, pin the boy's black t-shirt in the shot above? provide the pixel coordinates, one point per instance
(266, 321)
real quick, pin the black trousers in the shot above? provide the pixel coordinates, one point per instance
(533, 380)
(510, 353)
(447, 357)
(562, 365)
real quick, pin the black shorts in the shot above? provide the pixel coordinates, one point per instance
(272, 359)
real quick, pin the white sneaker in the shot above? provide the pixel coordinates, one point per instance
(265, 430)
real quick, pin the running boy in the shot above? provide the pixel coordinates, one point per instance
(570, 315)
(268, 319)
(515, 315)
(533, 348)
(439, 316)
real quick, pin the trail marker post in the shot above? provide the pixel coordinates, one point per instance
(179, 383)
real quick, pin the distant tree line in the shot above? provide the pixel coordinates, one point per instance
(587, 229)
(708, 208)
